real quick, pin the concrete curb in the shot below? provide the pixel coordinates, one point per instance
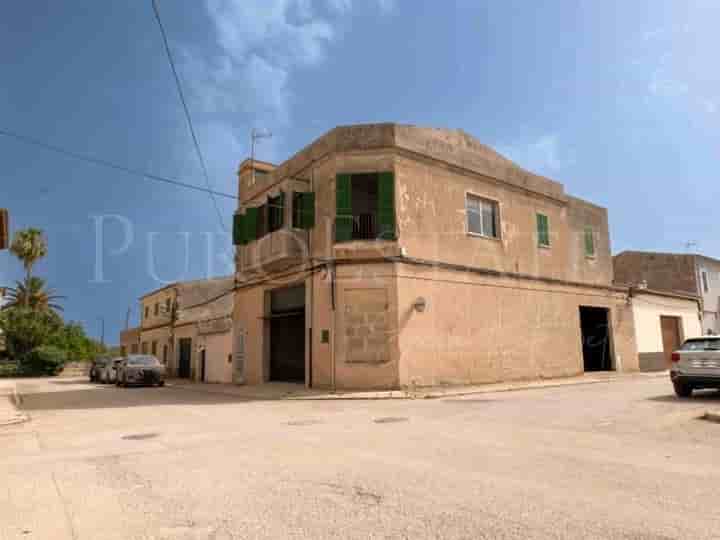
(712, 416)
(417, 394)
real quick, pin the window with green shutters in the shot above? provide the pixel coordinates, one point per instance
(543, 230)
(343, 208)
(239, 230)
(251, 218)
(365, 207)
(276, 212)
(303, 210)
(589, 242)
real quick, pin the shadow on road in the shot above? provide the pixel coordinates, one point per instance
(699, 396)
(110, 397)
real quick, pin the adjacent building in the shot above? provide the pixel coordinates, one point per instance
(385, 256)
(689, 274)
(663, 320)
(188, 326)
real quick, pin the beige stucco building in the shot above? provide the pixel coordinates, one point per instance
(188, 326)
(663, 320)
(384, 256)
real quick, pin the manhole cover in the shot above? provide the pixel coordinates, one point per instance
(139, 436)
(390, 419)
(308, 422)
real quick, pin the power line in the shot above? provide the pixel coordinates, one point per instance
(187, 112)
(105, 163)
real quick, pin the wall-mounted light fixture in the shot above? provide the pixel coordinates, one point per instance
(420, 304)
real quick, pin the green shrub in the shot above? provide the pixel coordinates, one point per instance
(45, 360)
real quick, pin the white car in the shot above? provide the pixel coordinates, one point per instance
(696, 365)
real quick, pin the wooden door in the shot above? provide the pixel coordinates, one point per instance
(671, 336)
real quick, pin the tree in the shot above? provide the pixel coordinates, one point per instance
(29, 246)
(72, 339)
(26, 329)
(33, 294)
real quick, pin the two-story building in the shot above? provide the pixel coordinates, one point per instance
(683, 273)
(187, 326)
(386, 256)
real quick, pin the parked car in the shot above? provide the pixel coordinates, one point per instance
(696, 365)
(108, 373)
(96, 367)
(140, 369)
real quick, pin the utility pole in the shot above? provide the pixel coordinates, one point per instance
(102, 334)
(4, 229)
(127, 319)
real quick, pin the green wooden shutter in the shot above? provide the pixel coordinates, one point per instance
(589, 242)
(280, 201)
(343, 208)
(307, 209)
(386, 206)
(543, 230)
(251, 217)
(238, 229)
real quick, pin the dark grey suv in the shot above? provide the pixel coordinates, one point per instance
(140, 370)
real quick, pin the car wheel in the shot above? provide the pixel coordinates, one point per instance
(682, 390)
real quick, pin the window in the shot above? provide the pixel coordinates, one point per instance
(482, 216)
(589, 242)
(157, 309)
(303, 208)
(144, 347)
(261, 227)
(706, 287)
(365, 206)
(168, 306)
(543, 230)
(153, 348)
(133, 348)
(276, 212)
(147, 311)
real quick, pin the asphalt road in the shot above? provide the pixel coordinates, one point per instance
(613, 460)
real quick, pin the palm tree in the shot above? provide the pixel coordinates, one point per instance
(33, 294)
(29, 246)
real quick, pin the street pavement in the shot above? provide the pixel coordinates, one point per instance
(623, 459)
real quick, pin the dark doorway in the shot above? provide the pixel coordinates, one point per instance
(671, 336)
(185, 356)
(595, 329)
(365, 206)
(287, 334)
(202, 366)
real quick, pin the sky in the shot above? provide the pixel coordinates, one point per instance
(618, 100)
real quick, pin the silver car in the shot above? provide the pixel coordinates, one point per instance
(140, 369)
(696, 365)
(108, 372)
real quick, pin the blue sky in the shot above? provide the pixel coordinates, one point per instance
(618, 100)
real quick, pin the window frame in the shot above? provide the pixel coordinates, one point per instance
(497, 220)
(589, 229)
(705, 281)
(540, 243)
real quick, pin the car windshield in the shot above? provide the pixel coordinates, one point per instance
(142, 361)
(701, 345)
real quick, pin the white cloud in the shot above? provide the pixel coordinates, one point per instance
(541, 155)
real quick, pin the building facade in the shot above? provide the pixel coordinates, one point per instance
(188, 327)
(690, 274)
(663, 320)
(385, 256)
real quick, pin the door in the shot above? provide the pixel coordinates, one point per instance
(595, 332)
(202, 366)
(185, 358)
(287, 334)
(671, 336)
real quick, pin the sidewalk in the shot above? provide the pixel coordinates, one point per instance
(9, 401)
(289, 391)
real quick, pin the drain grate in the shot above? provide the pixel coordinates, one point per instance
(139, 436)
(390, 419)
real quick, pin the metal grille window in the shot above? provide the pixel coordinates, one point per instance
(589, 242)
(482, 216)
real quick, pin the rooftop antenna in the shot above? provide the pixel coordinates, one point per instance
(691, 246)
(255, 135)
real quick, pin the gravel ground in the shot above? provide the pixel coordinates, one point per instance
(624, 459)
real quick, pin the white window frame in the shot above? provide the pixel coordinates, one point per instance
(497, 216)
